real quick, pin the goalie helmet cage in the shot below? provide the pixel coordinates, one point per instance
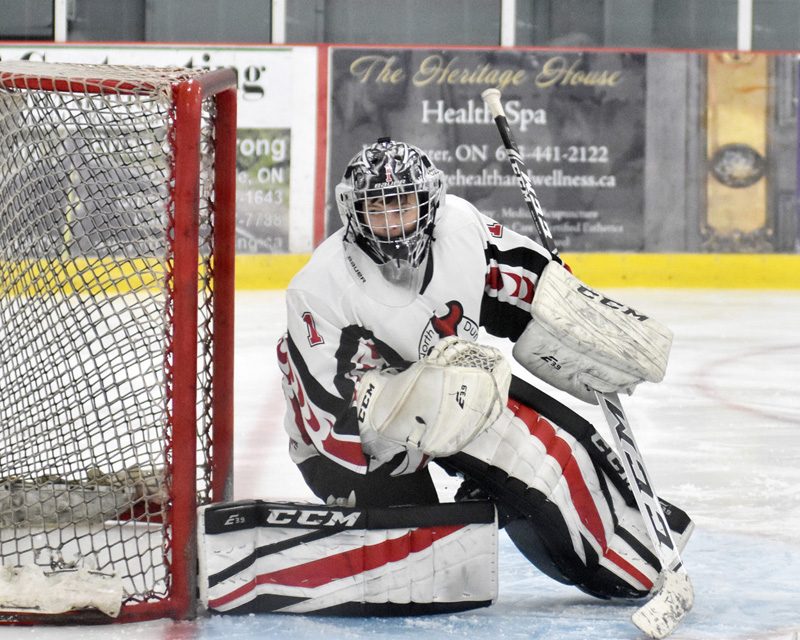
(117, 205)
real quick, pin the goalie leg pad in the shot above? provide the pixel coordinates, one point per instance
(577, 518)
(260, 556)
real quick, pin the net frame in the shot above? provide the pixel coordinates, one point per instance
(196, 99)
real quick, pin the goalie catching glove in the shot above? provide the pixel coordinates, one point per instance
(580, 341)
(437, 405)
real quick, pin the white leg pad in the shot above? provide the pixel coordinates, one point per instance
(300, 558)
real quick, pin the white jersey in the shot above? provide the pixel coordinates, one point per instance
(479, 273)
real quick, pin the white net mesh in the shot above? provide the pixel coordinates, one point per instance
(86, 318)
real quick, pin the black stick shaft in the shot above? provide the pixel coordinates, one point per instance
(528, 192)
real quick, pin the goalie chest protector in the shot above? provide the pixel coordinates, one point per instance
(282, 557)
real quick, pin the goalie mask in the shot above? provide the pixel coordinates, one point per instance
(388, 200)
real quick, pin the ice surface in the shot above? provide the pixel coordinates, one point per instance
(721, 438)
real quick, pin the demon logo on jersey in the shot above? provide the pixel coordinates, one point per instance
(452, 322)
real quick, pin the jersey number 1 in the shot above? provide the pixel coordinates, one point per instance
(313, 335)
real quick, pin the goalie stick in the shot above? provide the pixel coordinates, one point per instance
(674, 595)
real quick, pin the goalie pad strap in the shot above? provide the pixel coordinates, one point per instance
(260, 556)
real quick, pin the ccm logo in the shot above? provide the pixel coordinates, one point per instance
(631, 453)
(312, 518)
(611, 304)
(364, 405)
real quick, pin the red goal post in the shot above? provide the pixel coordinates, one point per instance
(117, 239)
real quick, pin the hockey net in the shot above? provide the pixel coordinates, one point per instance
(116, 303)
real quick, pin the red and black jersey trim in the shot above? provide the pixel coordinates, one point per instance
(352, 337)
(524, 257)
(503, 318)
(341, 406)
(345, 414)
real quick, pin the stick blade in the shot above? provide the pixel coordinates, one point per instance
(665, 610)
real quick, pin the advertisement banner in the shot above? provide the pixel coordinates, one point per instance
(277, 134)
(578, 118)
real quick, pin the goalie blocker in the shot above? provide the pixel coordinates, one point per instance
(283, 557)
(580, 341)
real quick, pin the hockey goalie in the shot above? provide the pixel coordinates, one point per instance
(384, 376)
